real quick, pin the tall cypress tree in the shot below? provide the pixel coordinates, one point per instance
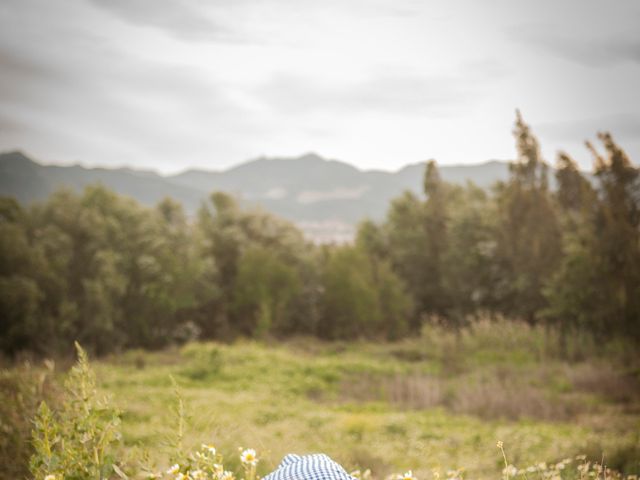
(435, 296)
(617, 225)
(529, 242)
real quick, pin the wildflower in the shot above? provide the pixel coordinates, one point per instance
(227, 475)
(408, 476)
(218, 470)
(499, 444)
(173, 469)
(198, 475)
(249, 457)
(209, 448)
(50, 477)
(510, 471)
(182, 476)
(531, 469)
(356, 474)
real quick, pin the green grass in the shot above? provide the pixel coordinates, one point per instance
(390, 407)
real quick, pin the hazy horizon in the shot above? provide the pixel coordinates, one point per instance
(241, 163)
(379, 85)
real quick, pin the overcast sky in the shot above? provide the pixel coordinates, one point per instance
(172, 84)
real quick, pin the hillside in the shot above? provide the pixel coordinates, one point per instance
(326, 198)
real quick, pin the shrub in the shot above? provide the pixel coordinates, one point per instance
(78, 441)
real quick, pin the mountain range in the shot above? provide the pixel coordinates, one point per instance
(325, 198)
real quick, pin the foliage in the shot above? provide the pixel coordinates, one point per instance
(101, 269)
(78, 442)
(261, 391)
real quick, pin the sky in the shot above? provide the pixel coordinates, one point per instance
(176, 84)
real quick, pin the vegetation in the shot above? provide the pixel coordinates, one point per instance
(386, 407)
(511, 314)
(101, 269)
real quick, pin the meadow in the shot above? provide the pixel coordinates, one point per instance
(435, 403)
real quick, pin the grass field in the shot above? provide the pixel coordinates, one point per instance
(440, 401)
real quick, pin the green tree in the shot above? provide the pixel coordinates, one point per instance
(528, 231)
(362, 297)
(264, 293)
(227, 232)
(435, 296)
(617, 227)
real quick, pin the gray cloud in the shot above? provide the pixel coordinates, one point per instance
(384, 92)
(624, 127)
(594, 52)
(85, 79)
(184, 19)
(83, 93)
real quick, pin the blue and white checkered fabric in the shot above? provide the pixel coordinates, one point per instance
(309, 467)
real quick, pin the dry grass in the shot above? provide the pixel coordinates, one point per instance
(498, 370)
(488, 398)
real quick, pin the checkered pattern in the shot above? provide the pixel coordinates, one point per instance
(308, 467)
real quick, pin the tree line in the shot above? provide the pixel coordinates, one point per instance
(96, 267)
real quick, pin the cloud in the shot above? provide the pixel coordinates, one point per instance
(184, 19)
(624, 127)
(383, 92)
(592, 51)
(85, 95)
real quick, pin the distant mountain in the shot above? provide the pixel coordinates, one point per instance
(325, 197)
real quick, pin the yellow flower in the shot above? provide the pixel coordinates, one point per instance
(249, 457)
(173, 469)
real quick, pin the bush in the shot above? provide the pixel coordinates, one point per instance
(78, 441)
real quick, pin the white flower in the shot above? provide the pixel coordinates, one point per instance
(173, 469)
(227, 475)
(510, 471)
(249, 457)
(50, 477)
(209, 448)
(408, 476)
(198, 475)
